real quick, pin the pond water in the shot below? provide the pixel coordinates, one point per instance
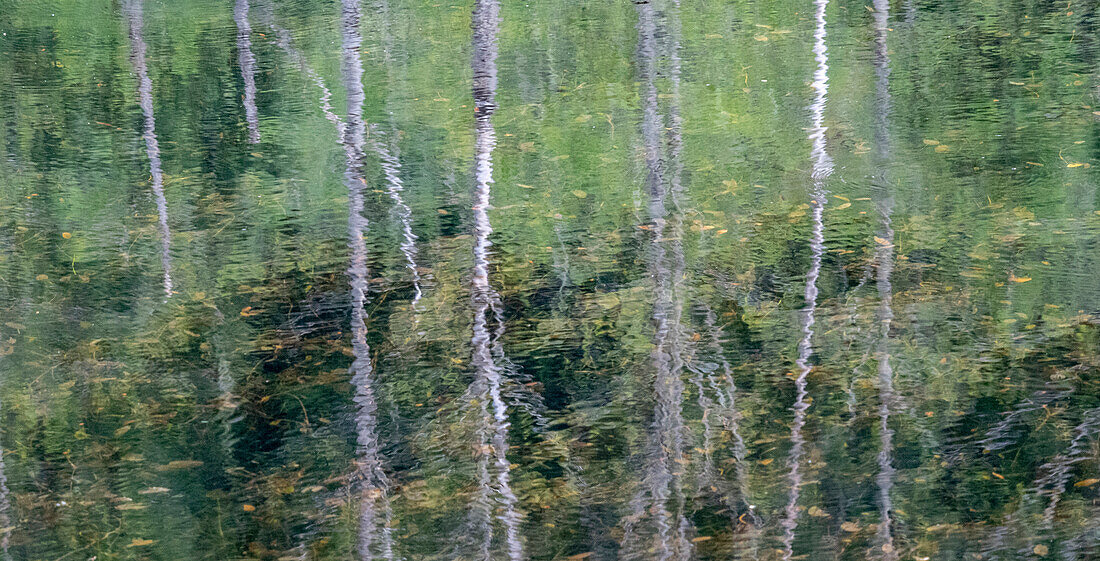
(557, 280)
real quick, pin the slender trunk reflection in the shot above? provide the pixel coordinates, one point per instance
(6, 526)
(822, 168)
(391, 160)
(664, 452)
(247, 62)
(391, 168)
(391, 164)
(136, 21)
(884, 259)
(494, 471)
(713, 375)
(1049, 486)
(369, 480)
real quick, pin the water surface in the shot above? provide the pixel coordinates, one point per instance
(652, 280)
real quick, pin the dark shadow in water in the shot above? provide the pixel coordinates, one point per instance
(822, 167)
(247, 62)
(132, 9)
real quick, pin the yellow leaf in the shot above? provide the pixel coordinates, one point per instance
(130, 506)
(931, 142)
(761, 37)
(701, 539)
(1075, 165)
(997, 475)
(842, 206)
(1015, 278)
(138, 542)
(66, 235)
(248, 508)
(41, 277)
(1041, 550)
(767, 461)
(1087, 482)
(579, 194)
(881, 241)
(942, 148)
(849, 527)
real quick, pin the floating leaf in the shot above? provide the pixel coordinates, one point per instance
(1075, 165)
(701, 539)
(130, 506)
(1041, 550)
(66, 235)
(761, 37)
(248, 508)
(1087, 482)
(1015, 278)
(767, 461)
(881, 241)
(849, 527)
(41, 277)
(138, 542)
(579, 194)
(931, 142)
(153, 490)
(179, 464)
(942, 148)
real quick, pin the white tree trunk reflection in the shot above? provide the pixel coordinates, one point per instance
(134, 13)
(822, 168)
(247, 62)
(370, 481)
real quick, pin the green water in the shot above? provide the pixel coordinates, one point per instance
(556, 280)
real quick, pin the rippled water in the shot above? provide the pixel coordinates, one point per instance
(652, 280)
